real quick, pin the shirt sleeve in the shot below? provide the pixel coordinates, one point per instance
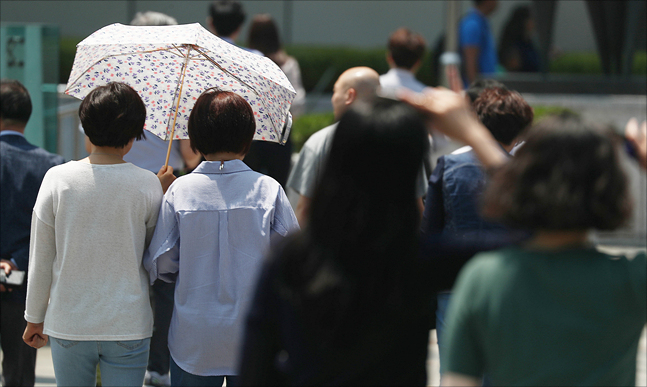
(284, 222)
(162, 257)
(463, 353)
(303, 177)
(470, 33)
(42, 253)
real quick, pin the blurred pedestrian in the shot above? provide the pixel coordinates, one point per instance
(264, 37)
(91, 223)
(23, 166)
(406, 50)
(517, 52)
(476, 42)
(270, 158)
(456, 186)
(553, 311)
(215, 226)
(589, 306)
(345, 301)
(353, 85)
(225, 20)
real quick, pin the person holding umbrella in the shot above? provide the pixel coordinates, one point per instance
(91, 223)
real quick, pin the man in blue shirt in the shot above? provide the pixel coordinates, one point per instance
(476, 43)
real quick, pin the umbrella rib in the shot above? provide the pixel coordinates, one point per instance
(242, 82)
(124, 54)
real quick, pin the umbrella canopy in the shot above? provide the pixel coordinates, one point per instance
(170, 66)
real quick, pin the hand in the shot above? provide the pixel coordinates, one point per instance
(7, 266)
(166, 177)
(638, 139)
(34, 336)
(451, 114)
(449, 111)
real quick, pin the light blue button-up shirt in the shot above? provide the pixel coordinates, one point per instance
(213, 232)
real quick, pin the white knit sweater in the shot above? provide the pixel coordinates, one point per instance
(90, 226)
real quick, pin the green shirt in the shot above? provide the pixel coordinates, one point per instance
(572, 317)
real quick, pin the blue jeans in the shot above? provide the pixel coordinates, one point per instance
(122, 363)
(180, 377)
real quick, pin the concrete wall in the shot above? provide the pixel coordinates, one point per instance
(353, 23)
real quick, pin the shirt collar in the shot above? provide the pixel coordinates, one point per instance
(213, 167)
(11, 132)
(402, 73)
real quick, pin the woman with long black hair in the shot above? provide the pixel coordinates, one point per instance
(344, 302)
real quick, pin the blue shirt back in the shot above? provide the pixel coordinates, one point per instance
(212, 234)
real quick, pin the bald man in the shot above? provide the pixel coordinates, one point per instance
(354, 84)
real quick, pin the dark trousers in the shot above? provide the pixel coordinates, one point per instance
(19, 359)
(162, 302)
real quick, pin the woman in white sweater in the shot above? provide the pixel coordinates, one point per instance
(92, 220)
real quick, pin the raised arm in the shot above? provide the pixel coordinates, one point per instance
(450, 114)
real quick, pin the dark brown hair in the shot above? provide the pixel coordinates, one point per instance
(264, 35)
(566, 176)
(112, 115)
(15, 103)
(406, 47)
(504, 112)
(221, 121)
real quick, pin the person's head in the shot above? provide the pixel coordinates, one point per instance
(221, 121)
(150, 18)
(504, 112)
(566, 177)
(15, 105)
(113, 115)
(476, 88)
(354, 84)
(375, 157)
(486, 6)
(264, 35)
(406, 49)
(225, 17)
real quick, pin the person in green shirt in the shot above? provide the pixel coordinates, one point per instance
(553, 311)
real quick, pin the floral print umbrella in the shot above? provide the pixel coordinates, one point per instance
(170, 66)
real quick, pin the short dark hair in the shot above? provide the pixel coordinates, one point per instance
(264, 35)
(112, 115)
(227, 16)
(504, 112)
(15, 102)
(567, 176)
(476, 88)
(406, 47)
(221, 121)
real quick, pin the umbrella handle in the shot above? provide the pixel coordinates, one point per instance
(168, 152)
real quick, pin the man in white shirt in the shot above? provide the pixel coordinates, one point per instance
(406, 50)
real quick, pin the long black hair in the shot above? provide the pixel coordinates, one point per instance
(358, 253)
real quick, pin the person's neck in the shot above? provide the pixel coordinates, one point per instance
(224, 156)
(556, 240)
(106, 155)
(12, 127)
